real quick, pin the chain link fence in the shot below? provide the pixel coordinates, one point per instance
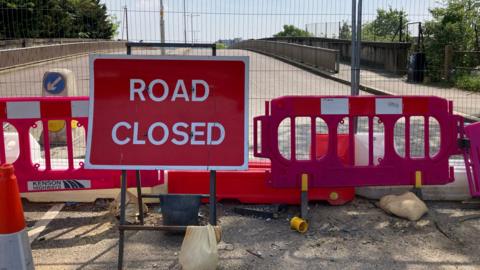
(387, 27)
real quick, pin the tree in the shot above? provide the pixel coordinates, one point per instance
(55, 19)
(292, 31)
(220, 45)
(386, 25)
(345, 31)
(453, 24)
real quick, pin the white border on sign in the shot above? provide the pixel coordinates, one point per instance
(93, 57)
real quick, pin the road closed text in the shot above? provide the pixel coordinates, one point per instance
(167, 112)
(181, 133)
(159, 133)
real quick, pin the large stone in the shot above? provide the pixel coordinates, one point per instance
(407, 205)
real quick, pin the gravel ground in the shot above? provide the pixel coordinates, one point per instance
(357, 235)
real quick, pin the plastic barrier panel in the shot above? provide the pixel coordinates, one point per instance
(251, 187)
(391, 157)
(43, 166)
(472, 158)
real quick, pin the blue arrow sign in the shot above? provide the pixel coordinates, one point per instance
(54, 82)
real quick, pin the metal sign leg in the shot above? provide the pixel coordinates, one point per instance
(213, 197)
(213, 178)
(139, 195)
(121, 240)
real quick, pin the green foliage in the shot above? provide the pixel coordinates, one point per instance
(56, 19)
(345, 31)
(468, 82)
(292, 31)
(385, 26)
(220, 45)
(451, 25)
(92, 19)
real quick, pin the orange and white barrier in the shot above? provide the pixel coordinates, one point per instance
(15, 252)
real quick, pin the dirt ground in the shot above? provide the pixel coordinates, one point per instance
(357, 235)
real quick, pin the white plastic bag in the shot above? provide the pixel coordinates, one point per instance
(199, 249)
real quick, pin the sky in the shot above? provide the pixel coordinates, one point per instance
(211, 20)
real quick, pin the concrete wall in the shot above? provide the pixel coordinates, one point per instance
(326, 59)
(388, 56)
(31, 42)
(21, 56)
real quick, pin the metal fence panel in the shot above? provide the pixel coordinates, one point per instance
(228, 22)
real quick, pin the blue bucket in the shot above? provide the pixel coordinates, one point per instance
(180, 209)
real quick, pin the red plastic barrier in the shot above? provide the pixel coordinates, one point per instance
(472, 158)
(23, 114)
(329, 170)
(342, 147)
(251, 187)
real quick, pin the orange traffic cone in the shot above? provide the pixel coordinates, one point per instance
(15, 252)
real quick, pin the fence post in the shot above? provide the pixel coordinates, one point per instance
(353, 48)
(447, 64)
(401, 30)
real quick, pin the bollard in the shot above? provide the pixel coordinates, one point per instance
(15, 252)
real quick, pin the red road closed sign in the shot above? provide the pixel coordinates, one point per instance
(178, 112)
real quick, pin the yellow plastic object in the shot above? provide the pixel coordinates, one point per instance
(58, 125)
(299, 224)
(74, 123)
(333, 196)
(418, 179)
(304, 182)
